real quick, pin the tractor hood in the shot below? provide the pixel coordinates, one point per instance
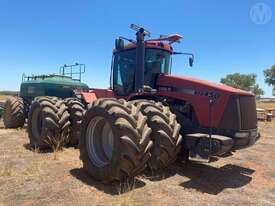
(193, 85)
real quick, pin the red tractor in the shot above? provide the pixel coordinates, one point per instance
(148, 116)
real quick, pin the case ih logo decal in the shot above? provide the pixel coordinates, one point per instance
(209, 94)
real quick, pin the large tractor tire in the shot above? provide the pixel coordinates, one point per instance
(14, 112)
(48, 123)
(165, 133)
(115, 140)
(76, 110)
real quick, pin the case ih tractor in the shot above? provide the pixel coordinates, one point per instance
(148, 117)
(52, 105)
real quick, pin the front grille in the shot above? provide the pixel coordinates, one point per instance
(248, 112)
(231, 115)
(239, 114)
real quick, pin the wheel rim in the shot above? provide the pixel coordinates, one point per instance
(99, 141)
(36, 123)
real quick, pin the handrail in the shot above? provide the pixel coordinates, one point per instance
(69, 70)
(66, 71)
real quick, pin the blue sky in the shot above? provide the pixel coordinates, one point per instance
(39, 36)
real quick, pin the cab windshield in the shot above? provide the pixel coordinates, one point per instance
(123, 67)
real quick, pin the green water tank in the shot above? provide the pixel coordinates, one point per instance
(50, 85)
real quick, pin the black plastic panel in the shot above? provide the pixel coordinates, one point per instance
(231, 116)
(248, 112)
(239, 114)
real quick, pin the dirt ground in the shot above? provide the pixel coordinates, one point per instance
(31, 178)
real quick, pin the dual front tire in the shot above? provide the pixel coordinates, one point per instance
(115, 142)
(165, 133)
(120, 139)
(48, 123)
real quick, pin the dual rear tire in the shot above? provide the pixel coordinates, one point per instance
(54, 123)
(14, 112)
(76, 110)
(48, 123)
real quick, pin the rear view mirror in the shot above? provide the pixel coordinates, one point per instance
(191, 61)
(119, 44)
(191, 57)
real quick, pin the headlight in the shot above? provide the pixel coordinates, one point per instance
(241, 134)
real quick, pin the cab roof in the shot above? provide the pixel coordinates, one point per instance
(148, 44)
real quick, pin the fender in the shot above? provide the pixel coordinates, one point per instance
(93, 94)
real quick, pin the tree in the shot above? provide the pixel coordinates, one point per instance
(270, 77)
(243, 81)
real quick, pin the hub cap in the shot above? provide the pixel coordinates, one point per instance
(99, 141)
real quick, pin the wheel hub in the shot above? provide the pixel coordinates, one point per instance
(99, 141)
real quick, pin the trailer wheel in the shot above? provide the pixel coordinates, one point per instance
(48, 123)
(165, 133)
(115, 140)
(14, 112)
(76, 110)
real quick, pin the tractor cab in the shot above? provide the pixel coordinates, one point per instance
(139, 63)
(157, 61)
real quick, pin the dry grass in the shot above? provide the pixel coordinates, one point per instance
(6, 170)
(265, 105)
(10, 166)
(57, 144)
(3, 98)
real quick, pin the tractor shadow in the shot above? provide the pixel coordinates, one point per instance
(2, 126)
(31, 148)
(211, 180)
(172, 170)
(114, 188)
(159, 175)
(201, 177)
(37, 150)
(206, 178)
